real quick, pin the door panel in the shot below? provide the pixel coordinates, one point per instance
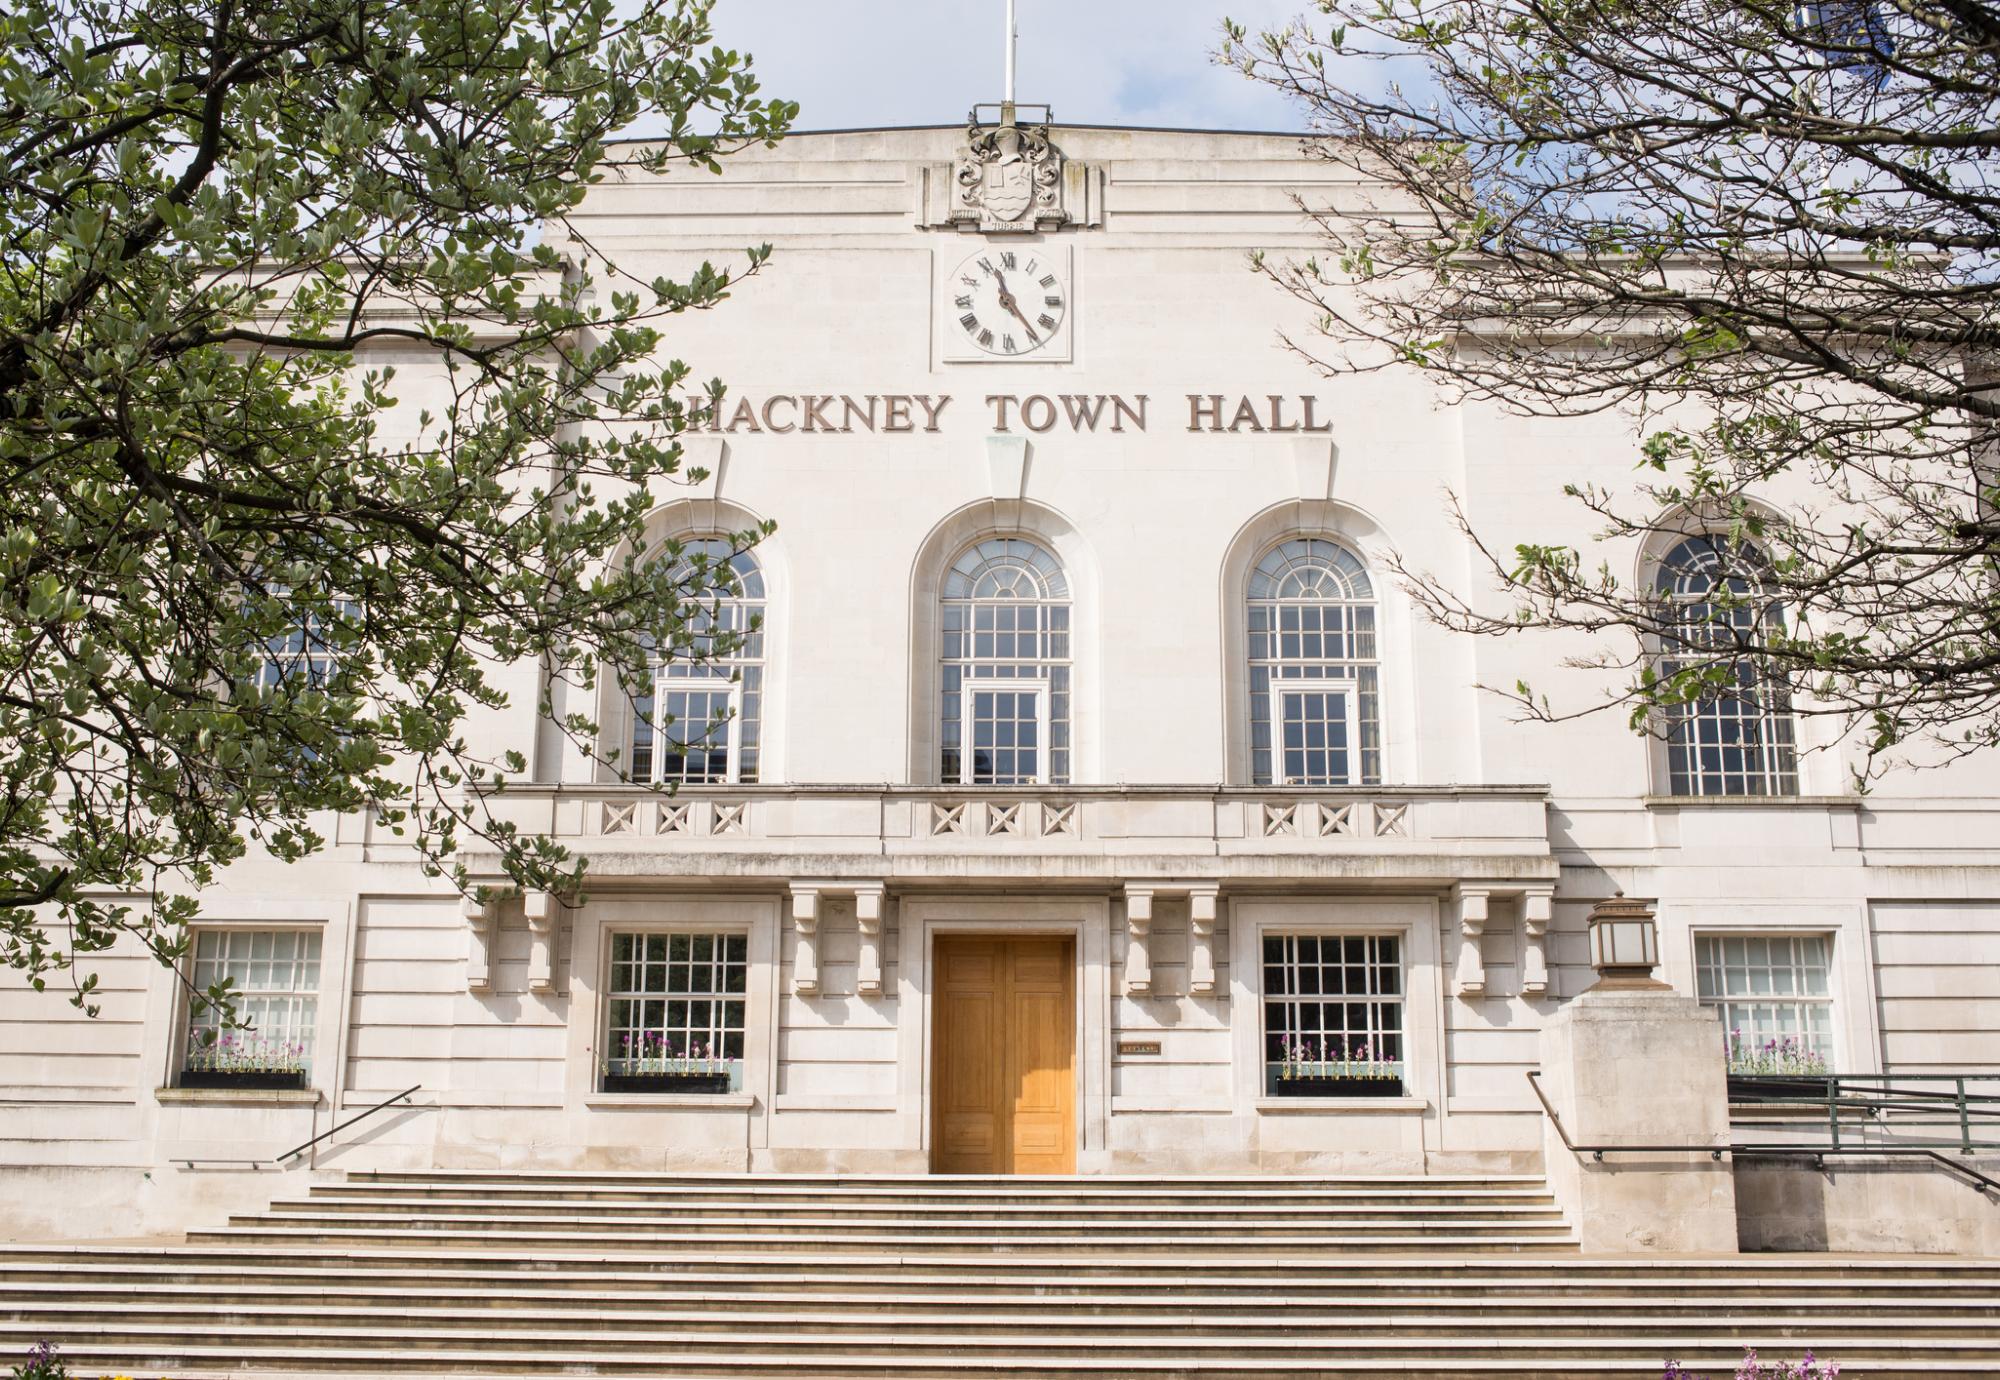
(1003, 1077)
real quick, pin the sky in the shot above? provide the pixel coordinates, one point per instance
(854, 63)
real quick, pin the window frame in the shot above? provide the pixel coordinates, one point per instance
(968, 689)
(181, 1044)
(1829, 938)
(1056, 607)
(1678, 770)
(1322, 935)
(600, 1032)
(752, 605)
(1363, 614)
(1349, 689)
(665, 684)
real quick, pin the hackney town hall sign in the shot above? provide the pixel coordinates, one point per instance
(846, 414)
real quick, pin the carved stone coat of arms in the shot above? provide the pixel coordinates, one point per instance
(1008, 178)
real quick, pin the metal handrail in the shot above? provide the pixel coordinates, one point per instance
(359, 1116)
(1816, 1153)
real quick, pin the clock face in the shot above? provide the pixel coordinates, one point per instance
(1007, 302)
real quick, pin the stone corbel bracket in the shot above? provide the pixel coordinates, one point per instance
(1203, 906)
(870, 905)
(480, 919)
(1474, 910)
(1537, 907)
(1138, 934)
(1473, 905)
(543, 909)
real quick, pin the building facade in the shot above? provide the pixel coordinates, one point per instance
(1085, 787)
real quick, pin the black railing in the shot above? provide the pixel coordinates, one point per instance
(300, 1149)
(1890, 1113)
(278, 1161)
(1940, 1111)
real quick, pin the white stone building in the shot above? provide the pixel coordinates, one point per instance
(1085, 756)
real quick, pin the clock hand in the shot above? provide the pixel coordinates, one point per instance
(1011, 305)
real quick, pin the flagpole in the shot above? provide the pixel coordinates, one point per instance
(1012, 34)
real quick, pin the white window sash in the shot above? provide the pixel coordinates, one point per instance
(968, 689)
(1349, 691)
(664, 742)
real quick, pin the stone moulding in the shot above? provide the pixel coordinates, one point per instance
(1442, 834)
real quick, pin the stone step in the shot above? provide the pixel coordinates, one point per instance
(66, 1294)
(1715, 1361)
(1265, 1271)
(1192, 1184)
(664, 1353)
(323, 1199)
(430, 1323)
(1251, 1224)
(473, 1233)
(620, 1219)
(1360, 1190)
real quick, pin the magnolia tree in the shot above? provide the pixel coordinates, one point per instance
(1769, 235)
(240, 586)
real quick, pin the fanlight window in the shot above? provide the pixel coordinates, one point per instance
(702, 723)
(1739, 740)
(1315, 681)
(1004, 715)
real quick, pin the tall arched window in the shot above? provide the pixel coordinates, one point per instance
(702, 723)
(1315, 682)
(1738, 740)
(1004, 716)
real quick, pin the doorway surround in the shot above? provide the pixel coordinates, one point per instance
(1086, 922)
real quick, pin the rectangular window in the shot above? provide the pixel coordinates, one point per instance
(1769, 989)
(1006, 725)
(274, 987)
(1337, 996)
(677, 1005)
(687, 732)
(1317, 733)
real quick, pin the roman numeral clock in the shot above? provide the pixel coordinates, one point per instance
(1007, 304)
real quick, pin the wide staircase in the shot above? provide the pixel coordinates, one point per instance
(545, 1274)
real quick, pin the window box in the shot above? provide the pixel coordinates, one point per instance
(666, 1082)
(1337, 1087)
(243, 1078)
(1779, 1087)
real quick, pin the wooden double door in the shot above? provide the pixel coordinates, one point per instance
(1003, 1077)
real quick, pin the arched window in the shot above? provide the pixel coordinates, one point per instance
(1315, 683)
(1004, 716)
(1738, 740)
(702, 723)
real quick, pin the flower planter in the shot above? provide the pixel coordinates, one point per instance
(1777, 1087)
(666, 1082)
(243, 1078)
(1339, 1087)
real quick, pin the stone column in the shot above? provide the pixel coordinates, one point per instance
(868, 917)
(1138, 935)
(479, 918)
(805, 958)
(1201, 939)
(1632, 1062)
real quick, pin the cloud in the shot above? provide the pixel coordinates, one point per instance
(859, 63)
